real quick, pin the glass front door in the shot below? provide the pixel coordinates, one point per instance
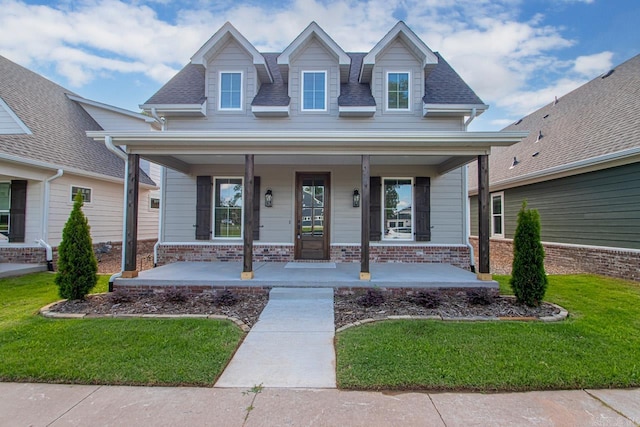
(312, 216)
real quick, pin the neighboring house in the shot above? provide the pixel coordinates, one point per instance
(288, 156)
(580, 168)
(46, 158)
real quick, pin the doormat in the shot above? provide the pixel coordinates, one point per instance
(310, 265)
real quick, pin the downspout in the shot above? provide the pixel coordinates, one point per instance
(160, 216)
(473, 115)
(45, 219)
(467, 218)
(108, 141)
(159, 119)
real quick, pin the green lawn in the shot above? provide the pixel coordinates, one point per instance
(105, 351)
(597, 347)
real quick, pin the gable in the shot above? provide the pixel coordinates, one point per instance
(314, 54)
(10, 123)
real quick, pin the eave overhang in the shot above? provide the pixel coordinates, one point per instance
(270, 110)
(357, 111)
(448, 110)
(180, 110)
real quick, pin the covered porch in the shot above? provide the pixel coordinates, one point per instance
(215, 275)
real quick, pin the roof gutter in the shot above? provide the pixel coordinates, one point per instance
(473, 115)
(45, 218)
(108, 142)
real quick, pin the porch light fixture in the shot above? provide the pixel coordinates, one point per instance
(356, 198)
(268, 199)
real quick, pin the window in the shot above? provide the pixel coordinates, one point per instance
(227, 213)
(154, 203)
(398, 208)
(231, 91)
(314, 91)
(5, 205)
(398, 91)
(86, 193)
(497, 215)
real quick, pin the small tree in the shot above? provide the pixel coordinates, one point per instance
(77, 265)
(528, 278)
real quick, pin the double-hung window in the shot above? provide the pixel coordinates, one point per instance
(5, 207)
(86, 193)
(231, 90)
(497, 215)
(227, 212)
(314, 91)
(398, 97)
(398, 208)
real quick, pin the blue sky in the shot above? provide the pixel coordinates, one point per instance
(516, 54)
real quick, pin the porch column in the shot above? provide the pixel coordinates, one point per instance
(364, 206)
(131, 222)
(483, 218)
(247, 267)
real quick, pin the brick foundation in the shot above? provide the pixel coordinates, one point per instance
(455, 255)
(569, 259)
(23, 255)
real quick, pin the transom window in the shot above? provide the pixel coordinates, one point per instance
(227, 212)
(86, 193)
(314, 90)
(497, 215)
(398, 91)
(398, 208)
(5, 206)
(231, 91)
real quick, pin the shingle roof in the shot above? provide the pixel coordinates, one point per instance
(58, 125)
(442, 86)
(598, 118)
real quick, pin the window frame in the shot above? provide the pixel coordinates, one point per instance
(72, 195)
(386, 91)
(220, 107)
(151, 199)
(492, 214)
(302, 91)
(383, 208)
(214, 207)
(7, 211)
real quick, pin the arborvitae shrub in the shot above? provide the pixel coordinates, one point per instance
(77, 265)
(528, 278)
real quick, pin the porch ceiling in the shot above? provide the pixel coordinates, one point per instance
(182, 149)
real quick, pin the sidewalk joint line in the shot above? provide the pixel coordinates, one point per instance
(73, 406)
(437, 410)
(607, 405)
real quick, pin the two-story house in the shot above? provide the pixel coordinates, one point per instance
(313, 153)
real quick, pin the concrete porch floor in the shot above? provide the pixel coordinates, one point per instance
(331, 275)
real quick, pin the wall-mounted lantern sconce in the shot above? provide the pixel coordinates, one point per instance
(356, 198)
(268, 198)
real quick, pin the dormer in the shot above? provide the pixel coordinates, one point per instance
(314, 32)
(400, 31)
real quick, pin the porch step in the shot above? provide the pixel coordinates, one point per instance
(291, 345)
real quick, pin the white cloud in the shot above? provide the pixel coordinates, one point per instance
(592, 65)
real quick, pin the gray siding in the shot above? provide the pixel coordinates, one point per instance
(8, 124)
(599, 208)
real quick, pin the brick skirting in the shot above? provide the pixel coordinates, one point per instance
(23, 255)
(455, 255)
(569, 259)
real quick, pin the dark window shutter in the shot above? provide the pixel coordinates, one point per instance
(423, 209)
(375, 209)
(203, 207)
(17, 211)
(257, 198)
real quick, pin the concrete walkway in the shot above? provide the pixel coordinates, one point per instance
(291, 345)
(72, 405)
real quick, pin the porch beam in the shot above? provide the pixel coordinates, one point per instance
(483, 218)
(131, 221)
(365, 274)
(247, 266)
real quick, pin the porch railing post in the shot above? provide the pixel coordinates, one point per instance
(483, 218)
(365, 274)
(247, 266)
(130, 244)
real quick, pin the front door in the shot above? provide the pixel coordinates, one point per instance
(312, 216)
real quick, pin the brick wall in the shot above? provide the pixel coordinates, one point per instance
(569, 259)
(23, 255)
(454, 255)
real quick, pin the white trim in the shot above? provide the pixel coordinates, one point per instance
(111, 108)
(357, 111)
(270, 110)
(236, 109)
(70, 200)
(151, 208)
(383, 207)
(213, 210)
(452, 109)
(326, 97)
(15, 118)
(491, 196)
(7, 212)
(177, 109)
(386, 91)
